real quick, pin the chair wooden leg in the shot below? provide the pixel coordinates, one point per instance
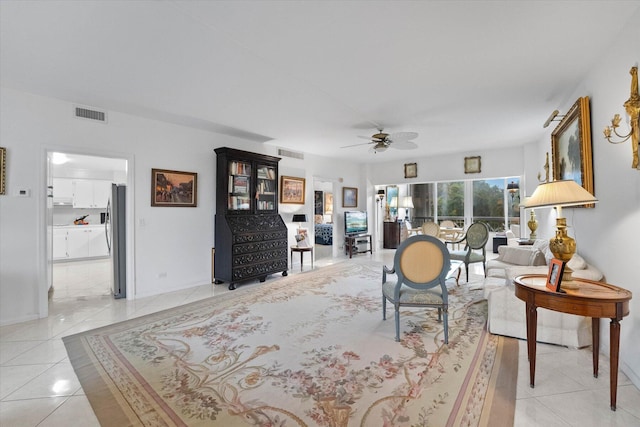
(384, 308)
(466, 269)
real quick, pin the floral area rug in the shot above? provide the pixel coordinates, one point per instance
(305, 350)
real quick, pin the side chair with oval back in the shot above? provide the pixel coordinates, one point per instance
(474, 250)
(421, 264)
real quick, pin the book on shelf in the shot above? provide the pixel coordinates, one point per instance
(240, 168)
(240, 184)
(239, 203)
(265, 172)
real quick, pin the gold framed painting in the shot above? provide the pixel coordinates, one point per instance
(472, 164)
(292, 190)
(571, 147)
(171, 188)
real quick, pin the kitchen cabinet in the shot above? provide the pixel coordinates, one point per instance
(62, 191)
(91, 193)
(79, 242)
(59, 244)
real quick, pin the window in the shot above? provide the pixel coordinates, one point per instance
(495, 202)
(451, 202)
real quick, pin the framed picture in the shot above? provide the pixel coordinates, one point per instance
(292, 190)
(318, 202)
(328, 203)
(3, 169)
(174, 188)
(472, 164)
(349, 197)
(554, 277)
(571, 147)
(410, 170)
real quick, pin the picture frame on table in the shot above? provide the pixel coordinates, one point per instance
(292, 190)
(571, 151)
(170, 188)
(349, 197)
(554, 277)
(472, 164)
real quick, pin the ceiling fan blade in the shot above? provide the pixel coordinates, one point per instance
(403, 136)
(404, 145)
(356, 145)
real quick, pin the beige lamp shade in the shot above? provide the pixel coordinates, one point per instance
(406, 202)
(559, 193)
(394, 202)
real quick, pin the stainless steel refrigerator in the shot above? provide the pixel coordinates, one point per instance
(115, 231)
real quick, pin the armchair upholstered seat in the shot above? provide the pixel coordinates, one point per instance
(476, 239)
(421, 264)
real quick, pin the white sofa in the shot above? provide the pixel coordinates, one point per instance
(507, 313)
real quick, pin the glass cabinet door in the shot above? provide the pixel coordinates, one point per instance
(266, 188)
(239, 186)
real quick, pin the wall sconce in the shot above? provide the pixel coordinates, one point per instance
(553, 118)
(380, 196)
(632, 106)
(513, 188)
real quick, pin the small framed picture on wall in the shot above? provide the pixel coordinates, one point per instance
(349, 197)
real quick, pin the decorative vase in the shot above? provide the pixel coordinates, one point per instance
(533, 226)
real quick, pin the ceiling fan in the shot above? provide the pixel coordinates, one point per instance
(380, 141)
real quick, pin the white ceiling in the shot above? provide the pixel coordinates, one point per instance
(312, 76)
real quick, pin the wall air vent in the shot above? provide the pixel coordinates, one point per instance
(289, 153)
(85, 113)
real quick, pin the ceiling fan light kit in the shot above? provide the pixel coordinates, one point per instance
(381, 141)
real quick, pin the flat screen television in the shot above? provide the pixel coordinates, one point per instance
(355, 222)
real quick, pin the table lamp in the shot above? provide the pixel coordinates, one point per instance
(558, 194)
(406, 203)
(301, 218)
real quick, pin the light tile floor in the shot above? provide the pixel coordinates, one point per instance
(39, 388)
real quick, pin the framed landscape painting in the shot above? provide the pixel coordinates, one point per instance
(174, 188)
(571, 147)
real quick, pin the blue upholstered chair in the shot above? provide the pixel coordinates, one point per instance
(421, 264)
(475, 239)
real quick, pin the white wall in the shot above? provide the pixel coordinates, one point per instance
(171, 242)
(495, 164)
(608, 235)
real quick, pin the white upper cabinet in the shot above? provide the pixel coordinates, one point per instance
(91, 193)
(62, 191)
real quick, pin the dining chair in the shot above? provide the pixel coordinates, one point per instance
(474, 250)
(421, 264)
(449, 231)
(430, 228)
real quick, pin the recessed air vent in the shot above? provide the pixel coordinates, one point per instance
(289, 153)
(85, 113)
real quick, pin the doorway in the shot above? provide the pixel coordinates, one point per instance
(79, 262)
(323, 220)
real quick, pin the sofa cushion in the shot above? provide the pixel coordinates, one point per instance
(525, 255)
(577, 263)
